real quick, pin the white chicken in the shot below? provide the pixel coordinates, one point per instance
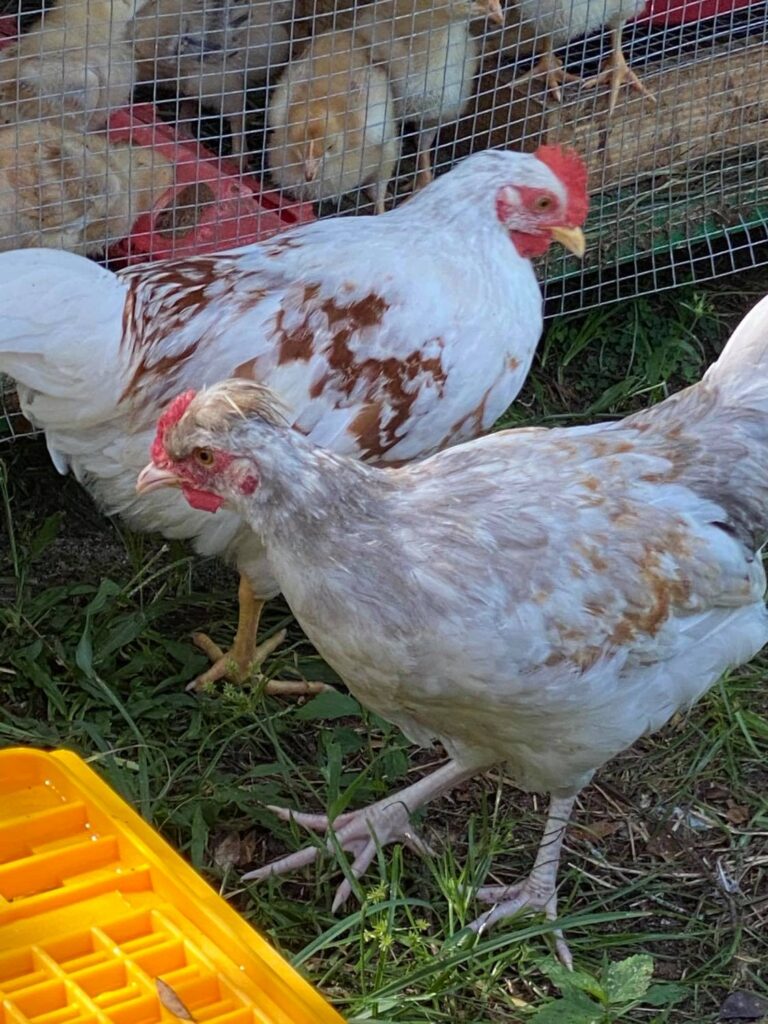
(539, 598)
(557, 21)
(388, 337)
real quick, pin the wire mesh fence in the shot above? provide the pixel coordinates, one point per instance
(135, 130)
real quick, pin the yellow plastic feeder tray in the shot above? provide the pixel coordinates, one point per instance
(101, 922)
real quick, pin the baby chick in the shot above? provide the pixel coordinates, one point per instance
(63, 189)
(212, 51)
(332, 122)
(431, 58)
(75, 61)
(557, 21)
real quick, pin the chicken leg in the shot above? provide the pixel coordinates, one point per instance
(239, 663)
(363, 832)
(617, 71)
(424, 143)
(550, 67)
(538, 891)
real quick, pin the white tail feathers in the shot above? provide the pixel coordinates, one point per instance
(60, 323)
(741, 372)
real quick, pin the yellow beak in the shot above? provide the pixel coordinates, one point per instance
(572, 238)
(152, 477)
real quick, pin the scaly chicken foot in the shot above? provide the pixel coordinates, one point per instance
(551, 68)
(241, 662)
(538, 892)
(363, 832)
(618, 72)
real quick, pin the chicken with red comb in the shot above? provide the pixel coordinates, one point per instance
(534, 598)
(568, 166)
(387, 338)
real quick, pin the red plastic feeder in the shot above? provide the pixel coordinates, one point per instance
(211, 205)
(683, 12)
(9, 29)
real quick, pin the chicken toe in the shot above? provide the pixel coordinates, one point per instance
(363, 832)
(538, 892)
(616, 70)
(239, 664)
(551, 69)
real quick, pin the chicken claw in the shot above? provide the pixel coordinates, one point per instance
(531, 896)
(240, 663)
(618, 73)
(538, 893)
(237, 664)
(551, 69)
(360, 833)
(363, 832)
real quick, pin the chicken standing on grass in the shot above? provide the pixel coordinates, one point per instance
(387, 337)
(536, 597)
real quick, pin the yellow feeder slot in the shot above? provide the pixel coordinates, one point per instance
(101, 922)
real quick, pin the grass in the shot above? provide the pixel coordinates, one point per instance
(669, 850)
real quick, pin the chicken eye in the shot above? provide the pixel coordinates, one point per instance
(544, 203)
(204, 456)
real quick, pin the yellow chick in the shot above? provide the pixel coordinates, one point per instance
(332, 123)
(431, 58)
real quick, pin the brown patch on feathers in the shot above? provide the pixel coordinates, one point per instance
(297, 344)
(593, 556)
(662, 590)
(470, 425)
(159, 369)
(377, 427)
(160, 301)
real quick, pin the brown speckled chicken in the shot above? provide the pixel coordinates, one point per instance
(387, 337)
(539, 598)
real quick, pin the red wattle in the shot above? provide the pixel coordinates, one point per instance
(529, 246)
(202, 500)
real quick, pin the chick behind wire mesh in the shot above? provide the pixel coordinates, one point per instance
(74, 62)
(431, 58)
(212, 51)
(332, 122)
(63, 189)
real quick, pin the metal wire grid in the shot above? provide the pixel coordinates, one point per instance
(678, 187)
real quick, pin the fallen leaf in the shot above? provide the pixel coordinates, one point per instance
(665, 846)
(171, 1001)
(599, 829)
(737, 814)
(744, 1006)
(715, 791)
(235, 850)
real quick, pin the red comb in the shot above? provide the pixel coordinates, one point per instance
(572, 171)
(171, 416)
